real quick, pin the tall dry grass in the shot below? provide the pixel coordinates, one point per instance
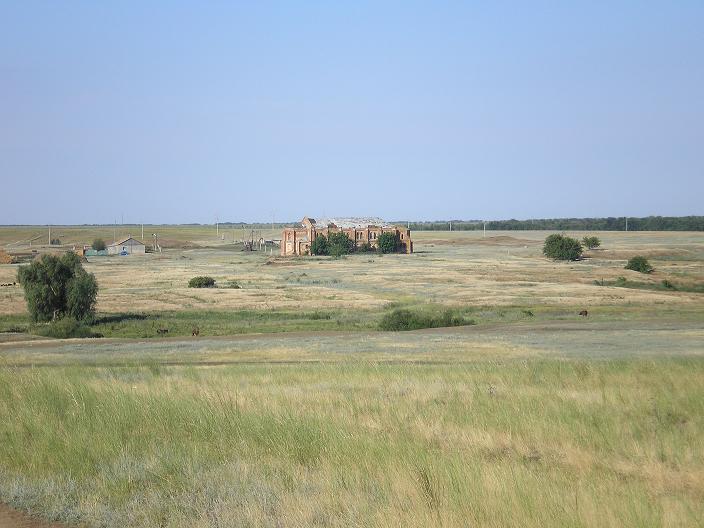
(523, 442)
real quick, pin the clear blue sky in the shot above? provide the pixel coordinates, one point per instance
(174, 112)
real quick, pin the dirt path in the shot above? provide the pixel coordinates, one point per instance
(10, 518)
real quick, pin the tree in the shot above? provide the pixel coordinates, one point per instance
(81, 295)
(591, 242)
(319, 246)
(639, 264)
(339, 244)
(55, 287)
(387, 243)
(99, 244)
(561, 247)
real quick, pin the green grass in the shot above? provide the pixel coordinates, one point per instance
(210, 323)
(491, 442)
(664, 285)
(425, 315)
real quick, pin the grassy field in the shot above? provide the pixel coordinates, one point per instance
(292, 409)
(490, 278)
(445, 429)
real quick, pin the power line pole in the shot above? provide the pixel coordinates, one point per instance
(626, 223)
(484, 228)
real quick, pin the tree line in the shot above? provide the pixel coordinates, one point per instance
(648, 223)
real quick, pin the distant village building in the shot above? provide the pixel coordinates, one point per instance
(127, 246)
(297, 241)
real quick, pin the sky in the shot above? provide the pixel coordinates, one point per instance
(179, 112)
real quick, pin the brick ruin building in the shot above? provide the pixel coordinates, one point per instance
(297, 240)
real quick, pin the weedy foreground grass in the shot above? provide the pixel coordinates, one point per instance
(489, 442)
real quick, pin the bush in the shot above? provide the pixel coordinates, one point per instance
(319, 246)
(55, 242)
(668, 285)
(201, 282)
(99, 244)
(339, 244)
(591, 242)
(66, 328)
(402, 320)
(55, 287)
(639, 264)
(365, 247)
(561, 247)
(387, 243)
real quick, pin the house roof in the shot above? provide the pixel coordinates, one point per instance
(352, 222)
(120, 242)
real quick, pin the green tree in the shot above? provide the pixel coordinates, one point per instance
(591, 242)
(319, 246)
(639, 264)
(387, 243)
(81, 294)
(339, 244)
(58, 286)
(561, 247)
(99, 244)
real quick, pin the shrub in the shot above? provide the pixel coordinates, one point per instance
(58, 286)
(319, 246)
(402, 320)
(99, 244)
(591, 242)
(201, 282)
(639, 264)
(55, 242)
(339, 244)
(387, 243)
(365, 247)
(561, 247)
(668, 285)
(66, 328)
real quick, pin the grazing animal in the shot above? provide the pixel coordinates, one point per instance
(162, 331)
(196, 332)
(584, 313)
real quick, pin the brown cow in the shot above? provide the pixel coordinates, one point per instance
(196, 332)
(584, 313)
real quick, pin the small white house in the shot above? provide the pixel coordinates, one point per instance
(127, 246)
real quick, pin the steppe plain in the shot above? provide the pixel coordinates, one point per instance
(292, 409)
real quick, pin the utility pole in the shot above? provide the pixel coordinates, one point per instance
(217, 226)
(142, 232)
(450, 225)
(114, 229)
(484, 228)
(626, 223)
(49, 235)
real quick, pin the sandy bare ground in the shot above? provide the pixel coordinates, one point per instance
(10, 518)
